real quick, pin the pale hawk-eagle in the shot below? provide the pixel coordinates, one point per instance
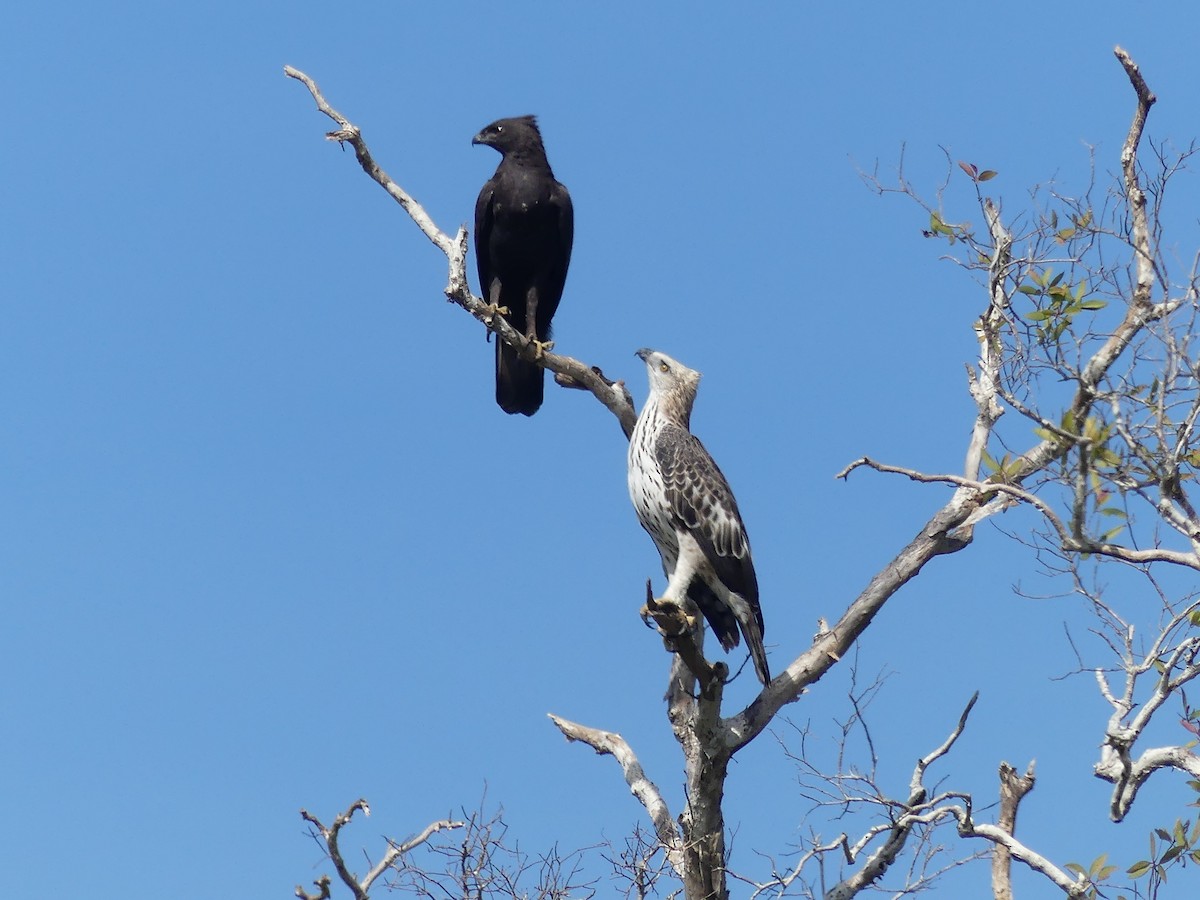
(686, 505)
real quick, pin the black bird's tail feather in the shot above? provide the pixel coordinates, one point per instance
(519, 383)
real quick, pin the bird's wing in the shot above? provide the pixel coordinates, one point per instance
(701, 500)
(566, 225)
(483, 235)
(558, 258)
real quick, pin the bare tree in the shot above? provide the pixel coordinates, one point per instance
(1085, 342)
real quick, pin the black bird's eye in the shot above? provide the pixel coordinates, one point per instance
(499, 128)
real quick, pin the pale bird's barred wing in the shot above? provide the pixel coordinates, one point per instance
(700, 497)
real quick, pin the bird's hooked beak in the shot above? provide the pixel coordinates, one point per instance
(643, 353)
(480, 138)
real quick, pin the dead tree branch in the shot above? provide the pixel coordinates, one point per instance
(329, 837)
(914, 810)
(647, 793)
(1013, 788)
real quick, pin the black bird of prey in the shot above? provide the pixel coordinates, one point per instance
(524, 226)
(685, 503)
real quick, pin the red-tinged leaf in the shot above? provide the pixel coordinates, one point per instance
(1190, 726)
(987, 175)
(972, 171)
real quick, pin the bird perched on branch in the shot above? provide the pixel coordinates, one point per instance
(524, 226)
(686, 505)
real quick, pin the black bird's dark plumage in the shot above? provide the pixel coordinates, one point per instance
(524, 227)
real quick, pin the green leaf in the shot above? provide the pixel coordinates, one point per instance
(1105, 873)
(1076, 868)
(1115, 512)
(1064, 234)
(1171, 854)
(987, 175)
(1093, 304)
(1139, 868)
(1038, 315)
(1029, 289)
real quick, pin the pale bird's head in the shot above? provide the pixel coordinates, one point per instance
(672, 382)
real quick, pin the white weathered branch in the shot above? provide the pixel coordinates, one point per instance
(330, 836)
(1117, 764)
(1013, 788)
(1068, 540)
(611, 744)
(917, 806)
(1134, 194)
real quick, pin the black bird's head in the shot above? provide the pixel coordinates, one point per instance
(519, 134)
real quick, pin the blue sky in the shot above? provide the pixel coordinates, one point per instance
(265, 542)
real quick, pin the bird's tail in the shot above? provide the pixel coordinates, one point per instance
(749, 621)
(754, 643)
(519, 383)
(720, 616)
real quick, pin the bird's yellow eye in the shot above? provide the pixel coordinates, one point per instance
(663, 367)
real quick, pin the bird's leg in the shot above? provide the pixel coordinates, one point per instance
(671, 617)
(537, 348)
(672, 607)
(493, 304)
(681, 634)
